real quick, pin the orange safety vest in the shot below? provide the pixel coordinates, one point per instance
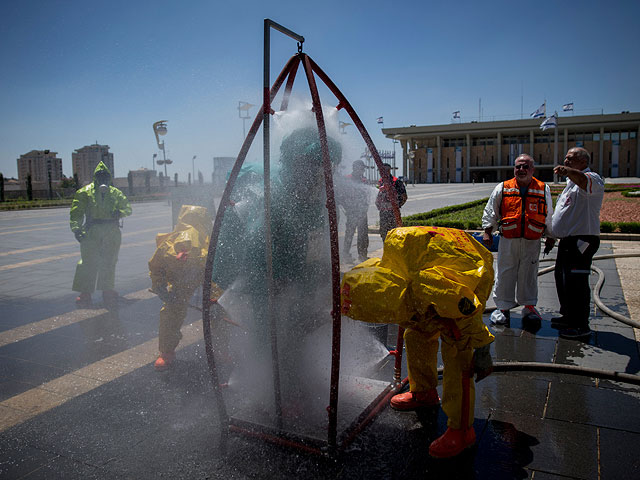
(523, 215)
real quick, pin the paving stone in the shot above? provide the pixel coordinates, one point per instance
(619, 454)
(555, 447)
(595, 406)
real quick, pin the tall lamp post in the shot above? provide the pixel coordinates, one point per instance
(412, 157)
(394, 156)
(153, 161)
(160, 129)
(243, 113)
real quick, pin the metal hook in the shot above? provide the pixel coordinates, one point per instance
(299, 47)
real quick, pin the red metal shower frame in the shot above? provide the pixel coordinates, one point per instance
(277, 435)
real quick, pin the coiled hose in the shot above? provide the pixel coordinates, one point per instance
(575, 369)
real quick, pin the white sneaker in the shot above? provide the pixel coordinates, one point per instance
(500, 317)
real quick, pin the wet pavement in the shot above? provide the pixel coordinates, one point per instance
(79, 397)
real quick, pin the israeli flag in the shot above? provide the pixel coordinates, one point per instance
(380, 120)
(567, 107)
(541, 111)
(456, 114)
(550, 122)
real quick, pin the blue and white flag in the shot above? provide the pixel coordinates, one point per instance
(541, 111)
(380, 120)
(567, 107)
(456, 114)
(550, 122)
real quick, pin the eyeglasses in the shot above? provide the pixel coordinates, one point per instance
(524, 166)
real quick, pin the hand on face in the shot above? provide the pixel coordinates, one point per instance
(571, 162)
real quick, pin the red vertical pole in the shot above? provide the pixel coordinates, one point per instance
(344, 103)
(335, 260)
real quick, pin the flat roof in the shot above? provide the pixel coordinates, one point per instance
(608, 121)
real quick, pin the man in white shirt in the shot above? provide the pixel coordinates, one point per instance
(576, 221)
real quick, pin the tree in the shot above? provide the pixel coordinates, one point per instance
(130, 182)
(76, 181)
(200, 178)
(49, 185)
(175, 179)
(29, 188)
(66, 182)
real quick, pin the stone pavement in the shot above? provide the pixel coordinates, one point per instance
(629, 273)
(79, 397)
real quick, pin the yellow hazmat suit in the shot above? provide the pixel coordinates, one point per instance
(434, 282)
(177, 269)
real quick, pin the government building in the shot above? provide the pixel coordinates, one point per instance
(486, 151)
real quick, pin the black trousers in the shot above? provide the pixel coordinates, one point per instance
(573, 267)
(387, 222)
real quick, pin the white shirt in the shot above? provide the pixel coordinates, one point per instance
(491, 214)
(577, 210)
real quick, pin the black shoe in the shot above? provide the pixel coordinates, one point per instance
(560, 323)
(575, 333)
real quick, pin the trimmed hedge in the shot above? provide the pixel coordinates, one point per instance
(607, 227)
(22, 204)
(628, 227)
(443, 211)
(468, 216)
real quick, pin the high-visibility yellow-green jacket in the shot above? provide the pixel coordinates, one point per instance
(90, 206)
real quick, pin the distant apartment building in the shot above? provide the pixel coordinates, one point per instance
(86, 159)
(38, 164)
(486, 151)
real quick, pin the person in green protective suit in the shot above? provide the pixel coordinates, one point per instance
(300, 254)
(94, 219)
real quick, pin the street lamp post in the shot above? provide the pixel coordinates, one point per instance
(153, 162)
(343, 125)
(160, 129)
(394, 156)
(243, 107)
(412, 156)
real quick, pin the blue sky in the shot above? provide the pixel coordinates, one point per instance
(76, 72)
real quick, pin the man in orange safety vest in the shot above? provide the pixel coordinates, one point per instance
(521, 209)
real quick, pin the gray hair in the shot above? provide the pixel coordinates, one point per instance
(526, 158)
(582, 154)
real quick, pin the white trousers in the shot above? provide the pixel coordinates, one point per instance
(516, 273)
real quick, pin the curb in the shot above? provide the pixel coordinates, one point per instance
(625, 237)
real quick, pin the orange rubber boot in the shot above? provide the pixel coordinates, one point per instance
(412, 400)
(83, 300)
(452, 443)
(164, 361)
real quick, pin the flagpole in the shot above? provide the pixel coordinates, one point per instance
(521, 99)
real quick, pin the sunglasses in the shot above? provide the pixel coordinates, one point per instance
(523, 167)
